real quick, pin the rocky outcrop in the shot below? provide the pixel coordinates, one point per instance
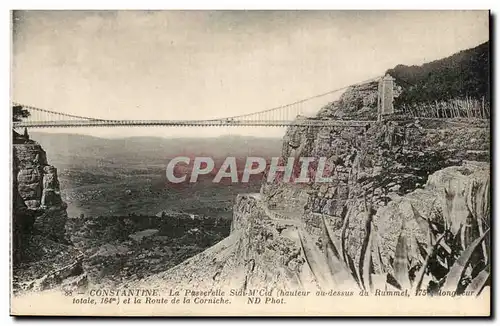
(43, 256)
(119, 249)
(380, 164)
(38, 187)
(262, 251)
(377, 164)
(357, 102)
(392, 165)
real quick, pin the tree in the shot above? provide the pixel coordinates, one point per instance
(462, 75)
(18, 113)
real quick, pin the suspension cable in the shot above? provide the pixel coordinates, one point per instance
(54, 112)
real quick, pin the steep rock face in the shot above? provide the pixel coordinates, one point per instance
(38, 186)
(262, 251)
(372, 165)
(357, 102)
(23, 218)
(391, 165)
(125, 248)
(469, 186)
(43, 257)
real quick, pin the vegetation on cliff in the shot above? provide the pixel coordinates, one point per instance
(460, 76)
(455, 86)
(454, 259)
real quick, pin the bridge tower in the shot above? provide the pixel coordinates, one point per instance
(385, 97)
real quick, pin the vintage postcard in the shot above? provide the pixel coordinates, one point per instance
(250, 163)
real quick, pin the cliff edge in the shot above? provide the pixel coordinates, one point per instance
(398, 165)
(43, 256)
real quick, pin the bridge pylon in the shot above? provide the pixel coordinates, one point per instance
(385, 97)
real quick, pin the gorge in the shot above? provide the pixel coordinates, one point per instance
(394, 171)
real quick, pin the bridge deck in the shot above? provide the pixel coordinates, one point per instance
(188, 123)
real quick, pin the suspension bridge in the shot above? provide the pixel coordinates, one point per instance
(281, 116)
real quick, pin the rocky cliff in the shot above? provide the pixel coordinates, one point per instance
(395, 167)
(378, 164)
(263, 250)
(392, 165)
(38, 186)
(42, 254)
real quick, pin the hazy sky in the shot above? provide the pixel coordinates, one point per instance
(209, 64)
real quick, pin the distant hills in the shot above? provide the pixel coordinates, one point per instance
(461, 75)
(83, 150)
